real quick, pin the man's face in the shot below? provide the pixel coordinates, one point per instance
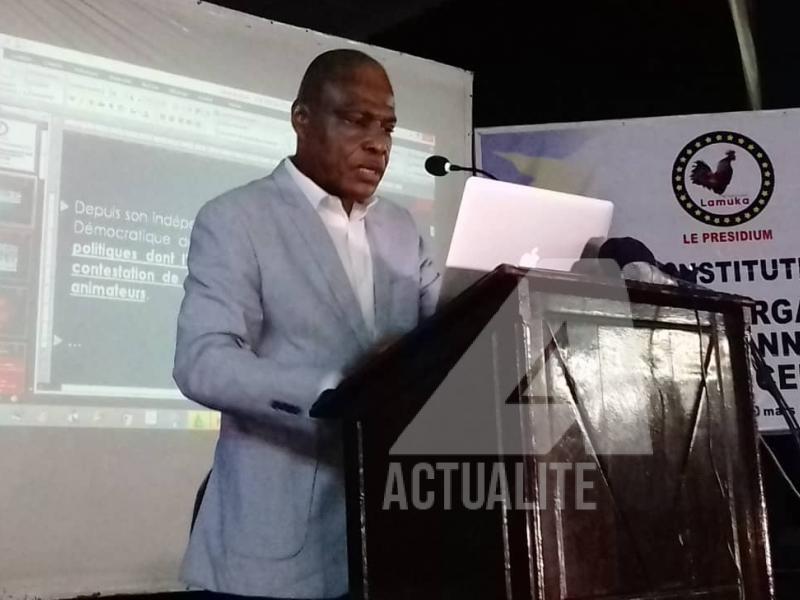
(345, 137)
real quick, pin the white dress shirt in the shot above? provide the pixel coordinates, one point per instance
(349, 235)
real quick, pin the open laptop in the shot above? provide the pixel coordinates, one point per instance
(507, 223)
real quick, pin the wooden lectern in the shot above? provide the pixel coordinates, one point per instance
(552, 436)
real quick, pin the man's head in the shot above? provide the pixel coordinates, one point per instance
(344, 117)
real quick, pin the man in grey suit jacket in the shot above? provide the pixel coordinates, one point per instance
(292, 279)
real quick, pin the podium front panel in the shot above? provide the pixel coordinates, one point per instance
(561, 438)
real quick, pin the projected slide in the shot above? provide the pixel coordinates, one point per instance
(120, 263)
(103, 166)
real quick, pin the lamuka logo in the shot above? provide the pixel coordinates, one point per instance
(723, 179)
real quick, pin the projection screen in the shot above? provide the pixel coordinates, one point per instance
(118, 120)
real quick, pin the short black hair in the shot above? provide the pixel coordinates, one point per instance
(328, 67)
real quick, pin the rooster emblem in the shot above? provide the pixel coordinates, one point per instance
(718, 180)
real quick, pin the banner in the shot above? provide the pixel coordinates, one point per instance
(717, 193)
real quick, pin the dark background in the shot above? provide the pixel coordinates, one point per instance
(582, 60)
(574, 60)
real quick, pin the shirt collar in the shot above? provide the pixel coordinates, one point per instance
(315, 194)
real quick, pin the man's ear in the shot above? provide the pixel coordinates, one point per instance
(300, 119)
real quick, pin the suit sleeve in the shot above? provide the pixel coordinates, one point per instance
(220, 322)
(430, 280)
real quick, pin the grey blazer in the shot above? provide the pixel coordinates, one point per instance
(268, 312)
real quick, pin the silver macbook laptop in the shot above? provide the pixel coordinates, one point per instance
(507, 223)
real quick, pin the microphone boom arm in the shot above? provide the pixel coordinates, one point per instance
(473, 170)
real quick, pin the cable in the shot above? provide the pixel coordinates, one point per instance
(777, 462)
(765, 382)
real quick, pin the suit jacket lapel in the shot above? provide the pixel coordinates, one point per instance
(326, 259)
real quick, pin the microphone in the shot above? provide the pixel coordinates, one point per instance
(439, 166)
